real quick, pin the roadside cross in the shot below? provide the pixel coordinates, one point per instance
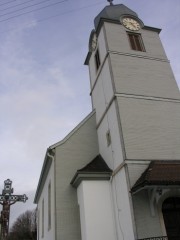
(6, 200)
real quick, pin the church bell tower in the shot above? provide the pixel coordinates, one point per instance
(137, 104)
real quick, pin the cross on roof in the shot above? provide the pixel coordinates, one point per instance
(110, 1)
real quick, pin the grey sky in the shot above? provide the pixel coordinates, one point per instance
(44, 86)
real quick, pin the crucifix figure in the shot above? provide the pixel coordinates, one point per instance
(6, 200)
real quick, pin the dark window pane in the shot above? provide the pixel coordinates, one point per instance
(97, 59)
(131, 37)
(171, 214)
(136, 42)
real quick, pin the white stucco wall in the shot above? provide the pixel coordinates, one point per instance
(79, 148)
(103, 91)
(118, 41)
(97, 220)
(112, 154)
(122, 207)
(145, 220)
(150, 128)
(143, 76)
(101, 46)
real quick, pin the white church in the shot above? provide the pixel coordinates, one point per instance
(116, 176)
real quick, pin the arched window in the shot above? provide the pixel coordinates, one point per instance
(171, 214)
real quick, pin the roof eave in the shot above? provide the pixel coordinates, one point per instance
(44, 172)
(152, 186)
(81, 176)
(158, 30)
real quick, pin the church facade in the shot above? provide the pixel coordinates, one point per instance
(117, 174)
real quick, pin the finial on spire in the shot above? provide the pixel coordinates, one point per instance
(110, 2)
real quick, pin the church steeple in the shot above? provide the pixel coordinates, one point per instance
(136, 100)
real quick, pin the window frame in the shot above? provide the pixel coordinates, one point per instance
(97, 59)
(136, 42)
(49, 206)
(108, 138)
(42, 222)
(38, 224)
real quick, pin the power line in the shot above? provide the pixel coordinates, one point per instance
(71, 11)
(37, 9)
(24, 7)
(19, 4)
(57, 15)
(7, 2)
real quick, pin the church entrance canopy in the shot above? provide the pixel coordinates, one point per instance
(159, 174)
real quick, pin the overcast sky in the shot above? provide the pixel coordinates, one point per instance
(44, 85)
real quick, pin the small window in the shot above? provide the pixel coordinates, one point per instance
(38, 222)
(108, 137)
(136, 42)
(49, 206)
(97, 59)
(42, 233)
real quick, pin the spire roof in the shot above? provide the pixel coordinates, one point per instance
(97, 169)
(113, 12)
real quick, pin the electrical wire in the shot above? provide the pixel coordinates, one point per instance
(24, 7)
(7, 2)
(37, 9)
(14, 6)
(68, 12)
(57, 15)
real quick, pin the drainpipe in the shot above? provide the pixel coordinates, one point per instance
(51, 154)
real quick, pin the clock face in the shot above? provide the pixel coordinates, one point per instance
(94, 42)
(131, 24)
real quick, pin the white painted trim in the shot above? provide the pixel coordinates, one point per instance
(138, 56)
(125, 95)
